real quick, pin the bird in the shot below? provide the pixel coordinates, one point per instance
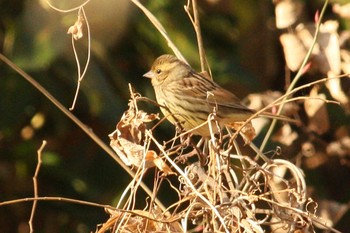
(188, 97)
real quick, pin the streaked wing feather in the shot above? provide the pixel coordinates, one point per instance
(194, 87)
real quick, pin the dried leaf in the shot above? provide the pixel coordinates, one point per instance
(294, 50)
(345, 57)
(328, 41)
(258, 101)
(287, 13)
(153, 159)
(285, 135)
(314, 154)
(315, 108)
(139, 221)
(248, 131)
(336, 91)
(330, 212)
(325, 54)
(340, 147)
(342, 10)
(306, 33)
(114, 143)
(127, 139)
(77, 29)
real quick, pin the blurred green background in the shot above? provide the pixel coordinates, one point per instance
(243, 49)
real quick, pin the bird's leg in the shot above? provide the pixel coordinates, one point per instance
(196, 151)
(185, 140)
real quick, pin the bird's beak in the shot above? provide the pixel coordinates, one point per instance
(149, 74)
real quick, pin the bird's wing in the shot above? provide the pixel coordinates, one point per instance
(195, 87)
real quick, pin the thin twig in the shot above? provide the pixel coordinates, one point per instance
(297, 76)
(197, 28)
(35, 184)
(85, 203)
(161, 29)
(189, 183)
(80, 124)
(283, 99)
(69, 10)
(199, 35)
(81, 16)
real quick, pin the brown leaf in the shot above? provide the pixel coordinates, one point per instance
(336, 91)
(315, 108)
(345, 56)
(330, 212)
(294, 50)
(328, 40)
(248, 130)
(314, 155)
(342, 10)
(127, 140)
(139, 221)
(340, 147)
(325, 55)
(153, 159)
(77, 29)
(258, 101)
(287, 13)
(285, 135)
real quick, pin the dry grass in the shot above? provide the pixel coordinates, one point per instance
(232, 192)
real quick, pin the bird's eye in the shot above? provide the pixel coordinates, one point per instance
(158, 71)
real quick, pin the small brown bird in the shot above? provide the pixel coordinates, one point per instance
(190, 97)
